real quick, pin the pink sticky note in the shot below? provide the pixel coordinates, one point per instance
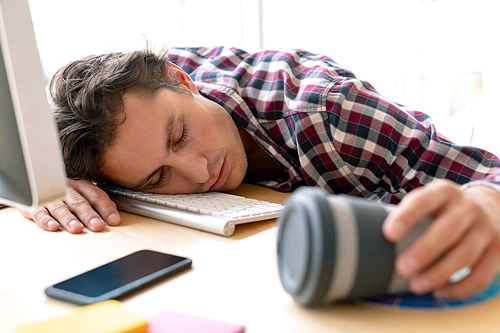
(173, 322)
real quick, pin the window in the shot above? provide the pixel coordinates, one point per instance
(69, 30)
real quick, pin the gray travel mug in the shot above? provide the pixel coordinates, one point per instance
(331, 248)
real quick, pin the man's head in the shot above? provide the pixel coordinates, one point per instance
(87, 96)
(133, 118)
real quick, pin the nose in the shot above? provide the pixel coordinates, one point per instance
(193, 167)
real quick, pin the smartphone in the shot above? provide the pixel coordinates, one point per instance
(118, 278)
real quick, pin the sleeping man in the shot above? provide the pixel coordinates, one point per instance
(201, 119)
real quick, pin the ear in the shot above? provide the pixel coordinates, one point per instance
(185, 81)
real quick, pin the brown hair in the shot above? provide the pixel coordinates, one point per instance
(88, 98)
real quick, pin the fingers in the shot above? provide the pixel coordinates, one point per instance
(98, 199)
(445, 232)
(85, 205)
(75, 213)
(42, 218)
(468, 252)
(480, 277)
(465, 232)
(420, 203)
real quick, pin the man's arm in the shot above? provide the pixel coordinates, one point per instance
(85, 205)
(393, 152)
(465, 232)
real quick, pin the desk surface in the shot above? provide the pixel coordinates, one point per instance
(232, 279)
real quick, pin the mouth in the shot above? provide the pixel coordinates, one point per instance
(221, 177)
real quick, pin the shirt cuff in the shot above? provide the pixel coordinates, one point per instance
(482, 183)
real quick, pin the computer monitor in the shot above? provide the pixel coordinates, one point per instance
(31, 166)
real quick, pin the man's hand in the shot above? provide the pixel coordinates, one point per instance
(465, 232)
(85, 205)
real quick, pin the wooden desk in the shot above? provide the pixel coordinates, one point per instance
(233, 279)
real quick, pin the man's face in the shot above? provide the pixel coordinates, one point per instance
(174, 143)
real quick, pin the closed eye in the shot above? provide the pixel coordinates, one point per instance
(183, 137)
(160, 180)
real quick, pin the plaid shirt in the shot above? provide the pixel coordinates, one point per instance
(327, 128)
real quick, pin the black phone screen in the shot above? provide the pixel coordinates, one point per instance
(119, 277)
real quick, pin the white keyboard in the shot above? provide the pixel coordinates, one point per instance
(214, 212)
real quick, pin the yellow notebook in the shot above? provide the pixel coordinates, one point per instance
(104, 317)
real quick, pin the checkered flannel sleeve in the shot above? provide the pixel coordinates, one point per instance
(382, 149)
(329, 129)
